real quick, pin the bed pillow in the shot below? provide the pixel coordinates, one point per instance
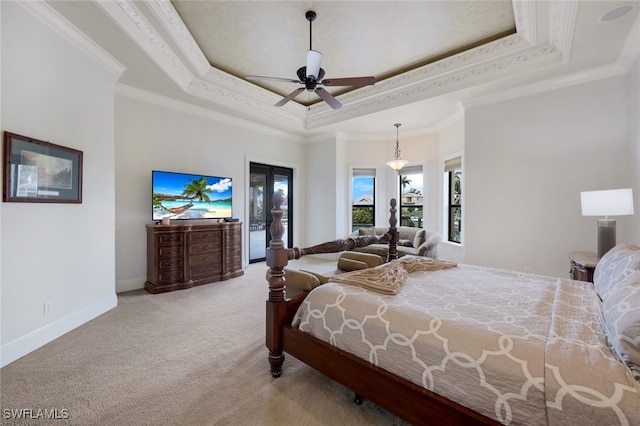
(615, 265)
(349, 265)
(298, 280)
(621, 316)
(371, 259)
(323, 279)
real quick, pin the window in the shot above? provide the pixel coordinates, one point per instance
(453, 177)
(411, 197)
(363, 204)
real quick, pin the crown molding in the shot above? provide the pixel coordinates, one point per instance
(191, 109)
(581, 77)
(562, 25)
(53, 20)
(524, 13)
(168, 17)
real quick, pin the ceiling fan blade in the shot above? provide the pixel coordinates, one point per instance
(290, 96)
(259, 77)
(314, 58)
(328, 98)
(349, 81)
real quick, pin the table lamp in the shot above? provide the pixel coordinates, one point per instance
(612, 202)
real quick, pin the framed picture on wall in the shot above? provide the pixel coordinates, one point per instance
(36, 171)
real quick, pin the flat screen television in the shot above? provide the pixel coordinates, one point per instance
(190, 196)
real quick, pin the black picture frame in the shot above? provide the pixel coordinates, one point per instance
(36, 171)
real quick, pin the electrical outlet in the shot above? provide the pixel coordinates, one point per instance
(47, 307)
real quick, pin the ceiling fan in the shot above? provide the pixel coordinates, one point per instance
(312, 76)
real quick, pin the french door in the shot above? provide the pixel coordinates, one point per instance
(264, 180)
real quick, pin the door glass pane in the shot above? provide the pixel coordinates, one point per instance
(281, 184)
(257, 217)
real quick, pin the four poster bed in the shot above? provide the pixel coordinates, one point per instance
(438, 343)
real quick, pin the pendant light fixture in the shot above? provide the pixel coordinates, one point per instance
(397, 163)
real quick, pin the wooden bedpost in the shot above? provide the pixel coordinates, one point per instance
(393, 232)
(277, 258)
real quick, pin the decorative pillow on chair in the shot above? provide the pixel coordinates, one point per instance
(614, 266)
(367, 231)
(621, 320)
(405, 243)
(349, 265)
(421, 237)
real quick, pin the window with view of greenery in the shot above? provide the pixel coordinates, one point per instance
(453, 175)
(363, 204)
(411, 197)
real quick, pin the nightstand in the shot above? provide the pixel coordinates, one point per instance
(583, 263)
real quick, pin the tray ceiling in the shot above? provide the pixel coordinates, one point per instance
(428, 56)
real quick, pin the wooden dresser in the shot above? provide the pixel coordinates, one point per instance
(187, 253)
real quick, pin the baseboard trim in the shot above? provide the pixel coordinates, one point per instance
(130, 284)
(30, 342)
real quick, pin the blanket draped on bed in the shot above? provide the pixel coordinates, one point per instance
(389, 277)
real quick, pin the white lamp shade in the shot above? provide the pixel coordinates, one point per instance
(613, 202)
(314, 58)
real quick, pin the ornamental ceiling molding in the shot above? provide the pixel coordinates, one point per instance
(465, 68)
(432, 87)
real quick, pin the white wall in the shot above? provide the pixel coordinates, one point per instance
(322, 196)
(450, 145)
(160, 134)
(526, 162)
(61, 253)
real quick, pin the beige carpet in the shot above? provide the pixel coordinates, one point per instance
(189, 357)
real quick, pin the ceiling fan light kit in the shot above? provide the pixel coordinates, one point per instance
(312, 76)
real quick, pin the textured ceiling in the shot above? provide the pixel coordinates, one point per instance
(357, 38)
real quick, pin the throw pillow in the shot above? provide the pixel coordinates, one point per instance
(405, 243)
(614, 266)
(348, 265)
(372, 260)
(621, 320)
(322, 278)
(367, 231)
(421, 237)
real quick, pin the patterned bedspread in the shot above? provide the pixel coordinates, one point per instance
(518, 348)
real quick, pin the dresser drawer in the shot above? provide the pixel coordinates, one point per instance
(205, 259)
(198, 272)
(169, 252)
(203, 248)
(170, 276)
(205, 236)
(170, 239)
